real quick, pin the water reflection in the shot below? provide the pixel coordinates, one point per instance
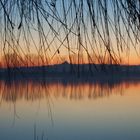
(74, 109)
(74, 90)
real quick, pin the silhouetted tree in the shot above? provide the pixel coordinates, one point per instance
(100, 28)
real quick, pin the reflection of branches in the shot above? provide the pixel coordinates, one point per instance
(36, 90)
(99, 31)
(15, 114)
(11, 92)
(36, 136)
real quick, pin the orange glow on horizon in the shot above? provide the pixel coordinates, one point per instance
(35, 60)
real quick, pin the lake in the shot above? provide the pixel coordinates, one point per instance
(70, 110)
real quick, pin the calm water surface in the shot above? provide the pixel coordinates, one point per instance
(69, 111)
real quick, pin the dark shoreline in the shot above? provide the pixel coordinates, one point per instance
(71, 78)
(72, 72)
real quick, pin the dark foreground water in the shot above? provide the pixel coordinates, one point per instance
(34, 110)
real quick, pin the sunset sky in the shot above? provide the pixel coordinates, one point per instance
(66, 31)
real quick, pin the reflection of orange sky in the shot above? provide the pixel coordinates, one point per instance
(59, 99)
(31, 91)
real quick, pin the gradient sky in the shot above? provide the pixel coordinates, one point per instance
(32, 40)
